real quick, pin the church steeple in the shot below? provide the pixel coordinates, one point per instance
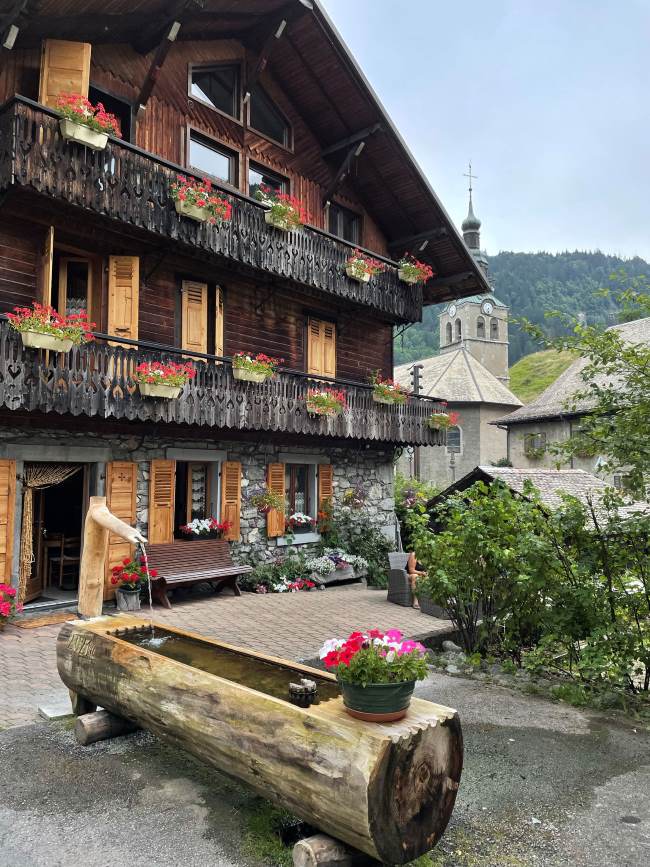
(471, 227)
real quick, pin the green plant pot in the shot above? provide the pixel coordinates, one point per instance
(377, 702)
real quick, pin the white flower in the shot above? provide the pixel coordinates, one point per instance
(330, 645)
(390, 656)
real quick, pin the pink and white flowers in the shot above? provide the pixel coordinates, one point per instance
(375, 657)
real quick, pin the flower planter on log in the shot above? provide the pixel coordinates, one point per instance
(387, 790)
(83, 134)
(38, 340)
(378, 702)
(405, 277)
(249, 375)
(193, 212)
(159, 389)
(357, 274)
(127, 600)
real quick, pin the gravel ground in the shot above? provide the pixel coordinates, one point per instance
(543, 784)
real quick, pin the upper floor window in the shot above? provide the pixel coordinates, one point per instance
(344, 223)
(480, 327)
(459, 329)
(534, 445)
(454, 440)
(266, 118)
(494, 329)
(218, 86)
(258, 177)
(208, 158)
(450, 335)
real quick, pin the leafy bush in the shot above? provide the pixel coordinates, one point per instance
(355, 535)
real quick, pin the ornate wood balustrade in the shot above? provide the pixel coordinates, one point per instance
(128, 184)
(96, 380)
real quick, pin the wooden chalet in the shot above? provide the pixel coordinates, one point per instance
(246, 92)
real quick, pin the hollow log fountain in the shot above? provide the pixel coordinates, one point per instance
(387, 790)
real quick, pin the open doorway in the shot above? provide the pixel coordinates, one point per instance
(57, 533)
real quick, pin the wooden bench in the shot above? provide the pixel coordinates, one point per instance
(181, 564)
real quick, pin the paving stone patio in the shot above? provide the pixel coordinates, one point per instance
(292, 625)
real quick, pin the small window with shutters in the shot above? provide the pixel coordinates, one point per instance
(305, 487)
(321, 347)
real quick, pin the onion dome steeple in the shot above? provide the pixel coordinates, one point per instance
(471, 227)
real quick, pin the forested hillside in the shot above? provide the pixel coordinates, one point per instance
(531, 284)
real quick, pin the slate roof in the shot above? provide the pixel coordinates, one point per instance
(555, 401)
(458, 377)
(477, 299)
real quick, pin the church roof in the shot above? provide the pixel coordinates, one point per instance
(478, 299)
(557, 400)
(458, 377)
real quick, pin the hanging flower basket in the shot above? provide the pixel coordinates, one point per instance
(38, 340)
(361, 267)
(193, 212)
(410, 270)
(249, 375)
(357, 273)
(442, 420)
(44, 328)
(85, 123)
(167, 380)
(197, 200)
(254, 368)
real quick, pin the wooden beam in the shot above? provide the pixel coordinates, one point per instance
(343, 171)
(453, 280)
(10, 22)
(362, 135)
(263, 57)
(430, 235)
(153, 35)
(156, 66)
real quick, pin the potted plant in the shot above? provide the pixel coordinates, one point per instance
(43, 328)
(387, 390)
(83, 122)
(298, 522)
(325, 401)
(197, 200)
(205, 528)
(442, 419)
(283, 211)
(377, 672)
(268, 501)
(9, 606)
(361, 267)
(158, 379)
(129, 578)
(254, 368)
(409, 270)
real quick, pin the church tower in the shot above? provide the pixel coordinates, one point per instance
(478, 324)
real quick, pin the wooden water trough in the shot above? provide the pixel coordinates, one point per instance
(386, 790)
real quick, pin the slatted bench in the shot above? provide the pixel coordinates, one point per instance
(181, 564)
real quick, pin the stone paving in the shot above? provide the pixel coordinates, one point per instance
(291, 625)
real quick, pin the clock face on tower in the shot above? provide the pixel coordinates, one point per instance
(487, 307)
(452, 310)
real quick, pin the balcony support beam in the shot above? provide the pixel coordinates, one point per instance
(155, 33)
(10, 23)
(429, 236)
(263, 57)
(361, 135)
(343, 171)
(156, 65)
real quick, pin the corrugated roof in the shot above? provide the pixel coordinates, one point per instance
(556, 400)
(458, 377)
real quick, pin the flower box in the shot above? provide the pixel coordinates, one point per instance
(38, 340)
(330, 411)
(159, 389)
(82, 134)
(249, 375)
(405, 277)
(272, 219)
(191, 211)
(358, 274)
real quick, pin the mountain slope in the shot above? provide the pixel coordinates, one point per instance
(535, 372)
(533, 284)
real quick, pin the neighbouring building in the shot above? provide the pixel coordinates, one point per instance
(555, 415)
(470, 373)
(245, 94)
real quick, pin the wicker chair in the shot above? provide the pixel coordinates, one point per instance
(399, 586)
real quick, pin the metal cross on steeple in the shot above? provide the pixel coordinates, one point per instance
(471, 178)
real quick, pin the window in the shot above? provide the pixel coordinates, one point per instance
(450, 335)
(494, 329)
(321, 347)
(299, 487)
(196, 489)
(218, 87)
(208, 158)
(534, 445)
(119, 107)
(266, 118)
(459, 329)
(454, 440)
(480, 328)
(258, 176)
(344, 223)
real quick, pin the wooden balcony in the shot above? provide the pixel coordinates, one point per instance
(130, 185)
(96, 380)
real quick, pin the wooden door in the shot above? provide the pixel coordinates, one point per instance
(194, 316)
(162, 485)
(123, 296)
(65, 68)
(231, 498)
(121, 484)
(7, 511)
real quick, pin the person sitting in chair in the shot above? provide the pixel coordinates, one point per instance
(414, 570)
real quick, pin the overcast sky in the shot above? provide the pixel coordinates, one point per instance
(550, 100)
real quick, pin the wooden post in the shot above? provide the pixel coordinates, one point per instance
(99, 523)
(101, 725)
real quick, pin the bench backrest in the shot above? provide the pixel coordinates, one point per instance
(180, 557)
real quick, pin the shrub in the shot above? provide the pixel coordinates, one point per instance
(355, 535)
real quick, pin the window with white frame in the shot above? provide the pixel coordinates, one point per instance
(454, 440)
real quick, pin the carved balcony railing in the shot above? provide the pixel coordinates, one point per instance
(97, 380)
(128, 184)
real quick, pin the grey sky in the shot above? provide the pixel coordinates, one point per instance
(549, 98)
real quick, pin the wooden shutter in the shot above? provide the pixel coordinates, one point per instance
(218, 324)
(231, 497)
(194, 316)
(321, 347)
(162, 485)
(123, 296)
(7, 511)
(325, 484)
(65, 68)
(121, 485)
(275, 481)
